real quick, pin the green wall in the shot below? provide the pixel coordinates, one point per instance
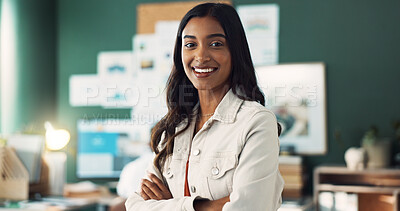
(35, 66)
(85, 28)
(358, 41)
(37, 62)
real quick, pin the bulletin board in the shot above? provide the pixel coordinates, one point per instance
(148, 14)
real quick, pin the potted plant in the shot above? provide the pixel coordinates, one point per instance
(378, 149)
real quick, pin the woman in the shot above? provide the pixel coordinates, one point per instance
(217, 147)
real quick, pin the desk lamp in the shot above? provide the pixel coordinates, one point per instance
(56, 140)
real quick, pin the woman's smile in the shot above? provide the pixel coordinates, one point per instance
(203, 72)
(205, 54)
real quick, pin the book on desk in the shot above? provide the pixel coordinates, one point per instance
(294, 174)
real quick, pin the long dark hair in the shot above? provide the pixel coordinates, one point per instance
(182, 96)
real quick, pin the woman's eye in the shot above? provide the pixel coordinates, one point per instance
(189, 45)
(216, 44)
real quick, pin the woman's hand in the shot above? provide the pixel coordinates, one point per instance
(154, 189)
(207, 205)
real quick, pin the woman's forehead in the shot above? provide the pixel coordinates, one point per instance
(203, 25)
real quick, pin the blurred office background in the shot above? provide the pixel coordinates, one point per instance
(45, 42)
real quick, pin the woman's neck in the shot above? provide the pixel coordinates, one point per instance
(209, 100)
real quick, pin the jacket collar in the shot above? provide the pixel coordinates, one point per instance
(228, 108)
(225, 112)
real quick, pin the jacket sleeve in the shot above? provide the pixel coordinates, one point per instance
(257, 183)
(136, 203)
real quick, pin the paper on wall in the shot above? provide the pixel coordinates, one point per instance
(152, 81)
(84, 90)
(151, 106)
(165, 32)
(119, 92)
(115, 64)
(261, 24)
(266, 52)
(144, 46)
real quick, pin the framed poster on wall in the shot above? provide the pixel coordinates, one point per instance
(296, 93)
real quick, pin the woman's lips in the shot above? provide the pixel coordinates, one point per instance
(202, 72)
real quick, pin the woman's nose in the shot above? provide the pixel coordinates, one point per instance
(202, 55)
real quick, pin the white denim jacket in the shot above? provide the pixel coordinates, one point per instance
(235, 153)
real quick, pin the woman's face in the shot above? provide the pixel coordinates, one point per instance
(205, 54)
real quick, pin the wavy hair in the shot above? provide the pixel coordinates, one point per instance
(182, 96)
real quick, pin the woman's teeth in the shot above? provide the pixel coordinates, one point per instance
(206, 70)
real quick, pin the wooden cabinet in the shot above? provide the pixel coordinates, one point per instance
(377, 189)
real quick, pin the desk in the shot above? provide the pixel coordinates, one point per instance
(61, 204)
(377, 189)
(52, 204)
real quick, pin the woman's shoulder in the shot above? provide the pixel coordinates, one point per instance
(253, 109)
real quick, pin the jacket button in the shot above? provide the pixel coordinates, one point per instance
(215, 171)
(169, 173)
(193, 189)
(196, 152)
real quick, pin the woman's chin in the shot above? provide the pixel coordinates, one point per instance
(203, 87)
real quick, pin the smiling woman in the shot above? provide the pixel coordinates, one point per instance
(205, 55)
(217, 148)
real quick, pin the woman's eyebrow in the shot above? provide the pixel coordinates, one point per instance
(189, 37)
(208, 36)
(216, 35)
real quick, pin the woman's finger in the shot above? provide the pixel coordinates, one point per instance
(166, 194)
(149, 193)
(153, 188)
(159, 183)
(144, 195)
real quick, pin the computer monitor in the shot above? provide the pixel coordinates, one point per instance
(106, 146)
